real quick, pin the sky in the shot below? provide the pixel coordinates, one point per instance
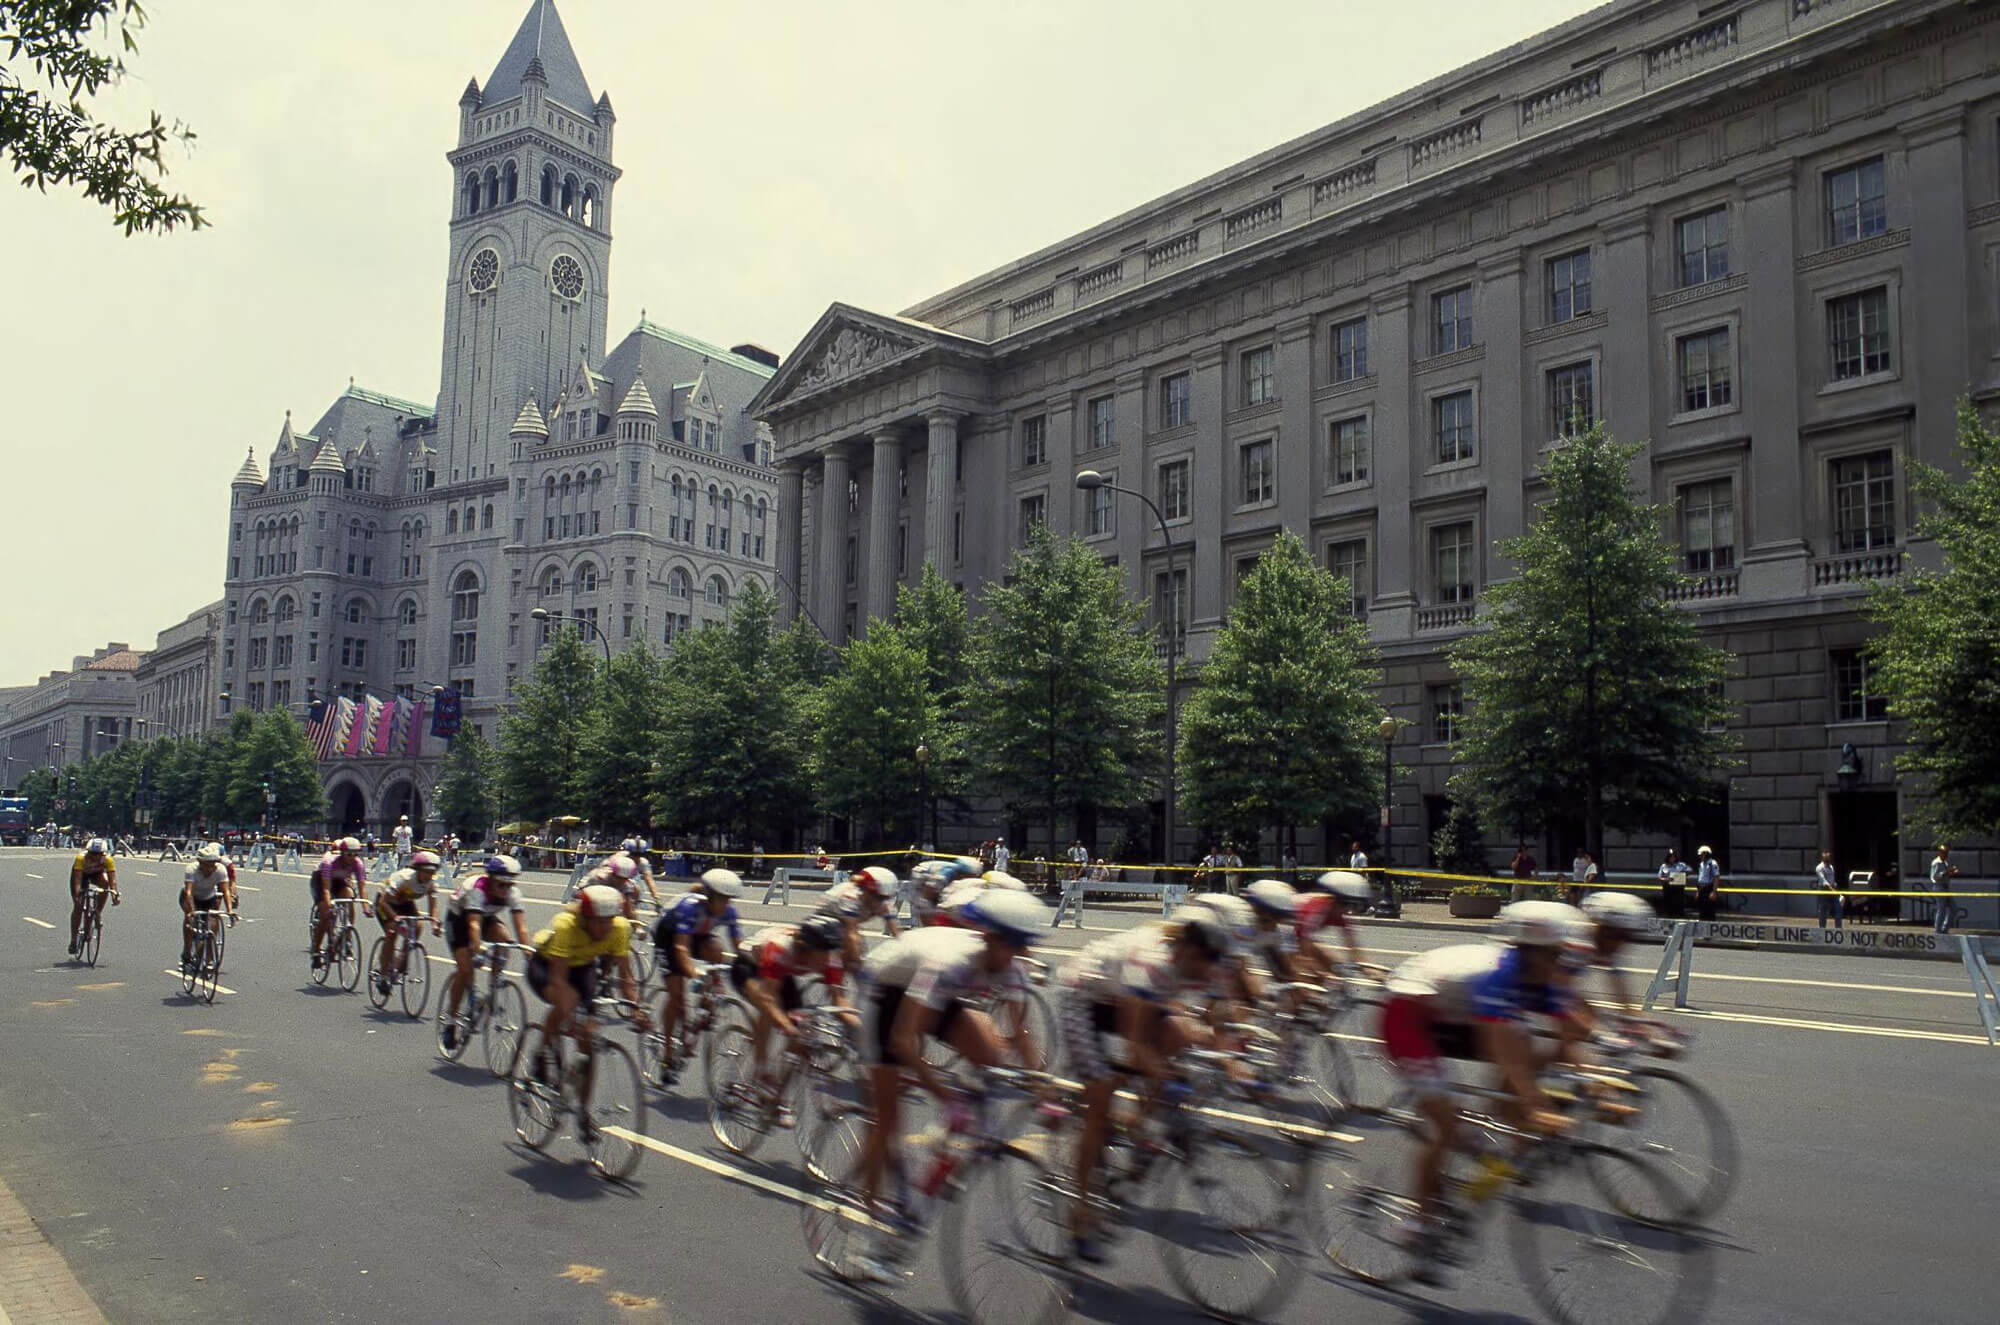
(777, 156)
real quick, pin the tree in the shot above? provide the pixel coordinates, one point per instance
(622, 738)
(1459, 846)
(543, 770)
(40, 786)
(53, 63)
(1938, 657)
(467, 796)
(1065, 687)
(1587, 688)
(869, 720)
(734, 736)
(1281, 729)
(272, 751)
(931, 616)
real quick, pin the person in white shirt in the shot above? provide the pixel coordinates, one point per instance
(1942, 873)
(1827, 884)
(404, 837)
(1357, 859)
(1079, 858)
(1002, 857)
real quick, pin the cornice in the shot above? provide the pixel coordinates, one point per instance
(1863, 248)
(1595, 320)
(1694, 294)
(1440, 362)
(1985, 215)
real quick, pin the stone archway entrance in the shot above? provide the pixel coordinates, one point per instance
(402, 796)
(346, 808)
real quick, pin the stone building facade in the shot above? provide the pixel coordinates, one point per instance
(396, 547)
(68, 716)
(1761, 236)
(175, 683)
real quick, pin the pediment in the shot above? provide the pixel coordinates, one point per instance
(846, 343)
(850, 350)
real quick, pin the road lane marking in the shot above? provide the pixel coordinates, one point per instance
(582, 1274)
(248, 888)
(730, 1172)
(147, 874)
(220, 989)
(32, 876)
(43, 923)
(1841, 1028)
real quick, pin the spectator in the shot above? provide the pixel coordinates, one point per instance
(1079, 859)
(756, 860)
(1707, 882)
(1673, 886)
(1231, 864)
(1002, 857)
(1942, 873)
(1523, 866)
(1827, 884)
(405, 835)
(1583, 875)
(1288, 865)
(1357, 859)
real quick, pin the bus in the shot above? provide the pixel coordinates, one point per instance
(14, 827)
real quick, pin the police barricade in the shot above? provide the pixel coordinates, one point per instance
(261, 856)
(291, 862)
(784, 877)
(1070, 906)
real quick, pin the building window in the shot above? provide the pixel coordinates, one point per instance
(902, 550)
(1708, 526)
(957, 537)
(1702, 361)
(1347, 450)
(1257, 468)
(1174, 496)
(1856, 203)
(1572, 399)
(1447, 708)
(1101, 519)
(1857, 334)
(1856, 688)
(1176, 400)
(1864, 502)
(1569, 286)
(464, 648)
(1034, 511)
(406, 655)
(1034, 441)
(1451, 425)
(353, 652)
(1099, 413)
(259, 652)
(257, 696)
(1702, 241)
(1347, 346)
(853, 560)
(1170, 603)
(1452, 556)
(1259, 374)
(1451, 320)
(1348, 561)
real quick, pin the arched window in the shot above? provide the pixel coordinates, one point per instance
(464, 619)
(486, 516)
(470, 516)
(728, 516)
(586, 578)
(679, 584)
(464, 600)
(451, 521)
(260, 613)
(762, 528)
(492, 187)
(718, 592)
(548, 186)
(287, 609)
(406, 612)
(510, 180)
(714, 510)
(471, 194)
(419, 528)
(589, 212)
(357, 612)
(552, 583)
(569, 196)
(687, 522)
(674, 511)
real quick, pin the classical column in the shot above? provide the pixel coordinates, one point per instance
(1399, 442)
(1214, 467)
(1625, 384)
(1775, 564)
(831, 597)
(791, 515)
(1511, 433)
(940, 478)
(1296, 438)
(883, 522)
(1934, 305)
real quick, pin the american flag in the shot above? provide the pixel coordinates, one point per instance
(336, 718)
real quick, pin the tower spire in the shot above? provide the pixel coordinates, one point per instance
(540, 41)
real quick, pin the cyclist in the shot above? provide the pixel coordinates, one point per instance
(339, 873)
(1615, 919)
(685, 934)
(563, 970)
(1274, 943)
(642, 873)
(621, 871)
(472, 916)
(1471, 1001)
(767, 970)
(398, 901)
(919, 987)
(207, 884)
(1129, 1005)
(93, 865)
(1332, 896)
(934, 878)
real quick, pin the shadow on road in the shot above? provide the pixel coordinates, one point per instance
(572, 1180)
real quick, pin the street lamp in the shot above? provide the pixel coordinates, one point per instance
(924, 794)
(543, 614)
(1387, 731)
(1089, 480)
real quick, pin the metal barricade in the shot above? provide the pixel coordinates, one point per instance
(1972, 952)
(1679, 944)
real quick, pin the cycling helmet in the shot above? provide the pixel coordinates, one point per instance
(1619, 911)
(95, 847)
(210, 852)
(1233, 911)
(502, 867)
(874, 880)
(426, 860)
(1539, 924)
(630, 844)
(1201, 926)
(644, 846)
(1002, 879)
(965, 867)
(1272, 897)
(722, 883)
(933, 873)
(349, 845)
(620, 865)
(822, 932)
(1011, 916)
(1349, 887)
(601, 901)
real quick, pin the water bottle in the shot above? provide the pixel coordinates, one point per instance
(1495, 1170)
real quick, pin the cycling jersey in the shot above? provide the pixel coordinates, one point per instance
(566, 940)
(1138, 962)
(1468, 982)
(845, 899)
(203, 884)
(409, 886)
(105, 866)
(1273, 947)
(486, 896)
(773, 957)
(689, 915)
(1316, 911)
(936, 967)
(335, 868)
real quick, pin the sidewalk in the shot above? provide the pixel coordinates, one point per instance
(35, 1282)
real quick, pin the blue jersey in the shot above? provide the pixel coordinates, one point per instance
(1503, 994)
(690, 916)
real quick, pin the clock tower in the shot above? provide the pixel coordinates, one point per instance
(526, 286)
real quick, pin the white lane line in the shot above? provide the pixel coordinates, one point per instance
(220, 989)
(1942, 1037)
(32, 876)
(248, 888)
(43, 923)
(146, 874)
(728, 1171)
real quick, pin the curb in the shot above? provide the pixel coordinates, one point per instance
(1987, 941)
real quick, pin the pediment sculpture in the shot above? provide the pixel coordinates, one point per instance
(851, 350)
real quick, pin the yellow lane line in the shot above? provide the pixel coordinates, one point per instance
(43, 923)
(728, 1171)
(220, 989)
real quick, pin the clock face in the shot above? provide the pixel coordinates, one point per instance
(485, 271)
(566, 277)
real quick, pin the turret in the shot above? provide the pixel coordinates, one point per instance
(251, 476)
(468, 109)
(328, 472)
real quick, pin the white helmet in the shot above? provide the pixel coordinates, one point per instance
(1349, 887)
(722, 883)
(96, 847)
(1620, 911)
(502, 867)
(874, 880)
(1003, 880)
(620, 865)
(1272, 896)
(601, 901)
(210, 852)
(1541, 924)
(1232, 910)
(629, 844)
(1013, 916)
(351, 845)
(1205, 928)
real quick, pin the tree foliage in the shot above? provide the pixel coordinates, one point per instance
(1938, 657)
(1587, 692)
(468, 795)
(621, 739)
(1281, 729)
(271, 749)
(870, 718)
(55, 55)
(543, 770)
(1065, 688)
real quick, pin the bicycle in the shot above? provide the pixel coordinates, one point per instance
(1679, 1129)
(90, 924)
(342, 954)
(200, 974)
(705, 1005)
(1659, 1273)
(413, 971)
(497, 1014)
(817, 1078)
(599, 1087)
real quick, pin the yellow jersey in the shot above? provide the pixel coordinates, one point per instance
(566, 940)
(81, 866)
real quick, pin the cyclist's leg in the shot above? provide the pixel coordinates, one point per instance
(322, 912)
(76, 890)
(392, 929)
(464, 956)
(885, 1088)
(187, 928)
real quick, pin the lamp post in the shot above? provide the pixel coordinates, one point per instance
(924, 794)
(1089, 480)
(543, 614)
(1387, 731)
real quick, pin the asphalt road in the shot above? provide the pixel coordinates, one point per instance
(290, 1153)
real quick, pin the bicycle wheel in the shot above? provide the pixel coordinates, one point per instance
(1585, 1264)
(835, 1227)
(452, 1048)
(616, 1101)
(323, 969)
(1689, 1146)
(737, 1116)
(208, 965)
(534, 1106)
(347, 959)
(1230, 1220)
(1000, 1243)
(506, 1018)
(654, 1046)
(378, 988)
(1370, 1221)
(92, 937)
(1028, 1010)
(1372, 1077)
(644, 958)
(191, 968)
(416, 979)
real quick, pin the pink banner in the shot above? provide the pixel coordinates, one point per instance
(357, 738)
(381, 727)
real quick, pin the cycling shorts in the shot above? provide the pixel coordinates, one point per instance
(1090, 1028)
(458, 930)
(879, 1025)
(402, 906)
(340, 887)
(207, 904)
(703, 948)
(1418, 1044)
(583, 979)
(791, 996)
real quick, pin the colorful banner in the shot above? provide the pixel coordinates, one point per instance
(445, 715)
(381, 728)
(357, 736)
